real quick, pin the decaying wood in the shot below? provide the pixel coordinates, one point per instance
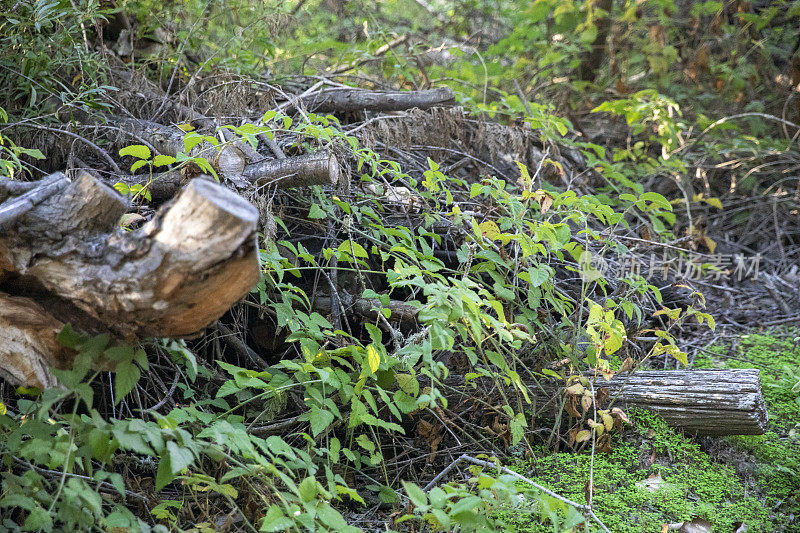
(28, 345)
(31, 194)
(346, 99)
(174, 276)
(234, 163)
(698, 402)
(320, 168)
(701, 402)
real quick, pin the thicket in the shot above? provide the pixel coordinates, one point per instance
(644, 113)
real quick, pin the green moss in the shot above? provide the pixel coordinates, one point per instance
(775, 355)
(691, 485)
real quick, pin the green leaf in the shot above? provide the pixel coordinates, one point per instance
(438, 497)
(416, 495)
(120, 353)
(138, 151)
(164, 475)
(275, 520)
(353, 248)
(70, 338)
(179, 457)
(126, 376)
(163, 160)
(307, 489)
(319, 419)
(656, 200)
(408, 384)
(190, 140)
(467, 503)
(31, 152)
(331, 517)
(539, 275)
(316, 212)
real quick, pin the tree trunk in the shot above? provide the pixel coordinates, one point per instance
(593, 59)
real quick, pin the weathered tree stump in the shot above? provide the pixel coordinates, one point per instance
(63, 259)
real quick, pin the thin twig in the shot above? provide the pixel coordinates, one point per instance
(103, 485)
(733, 117)
(397, 41)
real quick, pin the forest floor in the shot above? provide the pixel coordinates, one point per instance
(443, 242)
(656, 478)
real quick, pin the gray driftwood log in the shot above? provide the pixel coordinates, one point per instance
(65, 260)
(698, 402)
(701, 402)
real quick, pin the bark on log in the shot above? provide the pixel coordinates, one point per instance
(369, 308)
(345, 100)
(701, 402)
(698, 402)
(320, 168)
(234, 163)
(31, 194)
(174, 276)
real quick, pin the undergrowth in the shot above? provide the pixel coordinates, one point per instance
(323, 431)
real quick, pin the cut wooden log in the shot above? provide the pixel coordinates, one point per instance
(346, 99)
(700, 402)
(320, 168)
(173, 277)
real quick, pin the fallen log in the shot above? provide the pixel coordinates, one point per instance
(346, 99)
(320, 168)
(28, 345)
(369, 308)
(698, 402)
(178, 273)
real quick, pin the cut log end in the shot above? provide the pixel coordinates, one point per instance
(173, 277)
